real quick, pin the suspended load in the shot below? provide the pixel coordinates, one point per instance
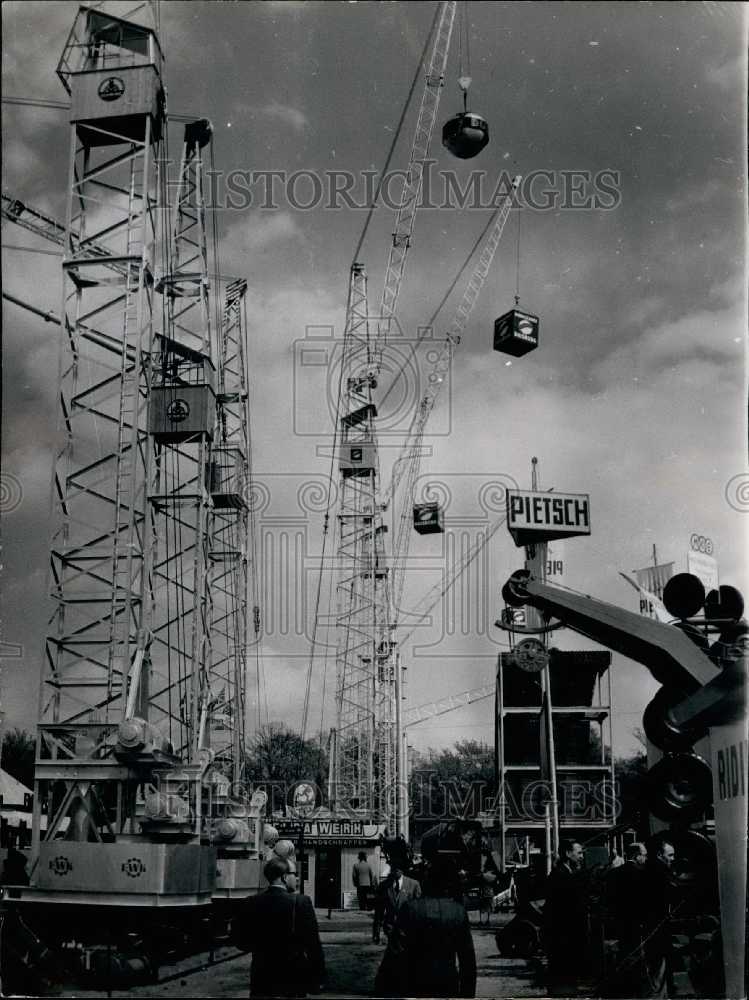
(428, 519)
(465, 135)
(516, 333)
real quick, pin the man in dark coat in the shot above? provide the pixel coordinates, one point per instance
(625, 902)
(392, 893)
(566, 920)
(658, 904)
(280, 929)
(432, 942)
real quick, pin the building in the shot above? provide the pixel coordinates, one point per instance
(327, 846)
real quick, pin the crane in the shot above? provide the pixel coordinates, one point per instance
(148, 560)
(408, 461)
(703, 694)
(406, 215)
(367, 755)
(413, 716)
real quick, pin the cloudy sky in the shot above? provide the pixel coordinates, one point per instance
(635, 396)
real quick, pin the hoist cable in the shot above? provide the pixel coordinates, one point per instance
(426, 330)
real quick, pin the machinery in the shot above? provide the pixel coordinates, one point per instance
(141, 819)
(701, 705)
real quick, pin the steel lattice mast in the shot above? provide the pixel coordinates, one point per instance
(230, 475)
(95, 671)
(365, 693)
(182, 422)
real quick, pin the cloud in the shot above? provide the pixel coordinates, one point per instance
(285, 113)
(257, 232)
(729, 76)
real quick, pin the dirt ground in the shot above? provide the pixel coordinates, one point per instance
(352, 960)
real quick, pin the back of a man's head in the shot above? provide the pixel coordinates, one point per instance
(275, 869)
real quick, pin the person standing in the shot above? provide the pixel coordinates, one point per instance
(625, 899)
(280, 929)
(364, 879)
(658, 904)
(431, 941)
(392, 893)
(566, 920)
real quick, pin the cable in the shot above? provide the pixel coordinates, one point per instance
(396, 136)
(424, 331)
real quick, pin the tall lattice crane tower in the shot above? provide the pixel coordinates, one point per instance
(364, 776)
(148, 560)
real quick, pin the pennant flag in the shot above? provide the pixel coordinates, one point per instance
(650, 605)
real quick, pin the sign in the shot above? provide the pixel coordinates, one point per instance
(730, 758)
(555, 562)
(699, 543)
(704, 567)
(332, 832)
(542, 517)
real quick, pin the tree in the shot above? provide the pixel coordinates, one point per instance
(18, 754)
(629, 773)
(277, 758)
(456, 783)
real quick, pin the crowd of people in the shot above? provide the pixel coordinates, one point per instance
(638, 900)
(429, 949)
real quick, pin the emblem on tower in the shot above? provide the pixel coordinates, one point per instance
(111, 89)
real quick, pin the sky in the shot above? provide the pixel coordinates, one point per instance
(627, 122)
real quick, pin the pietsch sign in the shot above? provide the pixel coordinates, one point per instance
(541, 517)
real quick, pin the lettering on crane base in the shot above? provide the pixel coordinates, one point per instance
(732, 763)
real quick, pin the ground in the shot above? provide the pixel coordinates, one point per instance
(351, 961)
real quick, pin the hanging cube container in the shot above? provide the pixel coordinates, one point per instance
(428, 519)
(516, 333)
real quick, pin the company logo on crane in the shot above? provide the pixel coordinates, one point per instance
(111, 89)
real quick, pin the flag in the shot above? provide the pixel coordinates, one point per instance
(650, 605)
(655, 578)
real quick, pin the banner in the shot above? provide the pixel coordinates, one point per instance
(705, 567)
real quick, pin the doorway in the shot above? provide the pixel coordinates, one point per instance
(328, 878)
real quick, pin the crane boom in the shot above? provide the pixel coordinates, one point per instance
(409, 460)
(404, 223)
(438, 374)
(443, 705)
(38, 222)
